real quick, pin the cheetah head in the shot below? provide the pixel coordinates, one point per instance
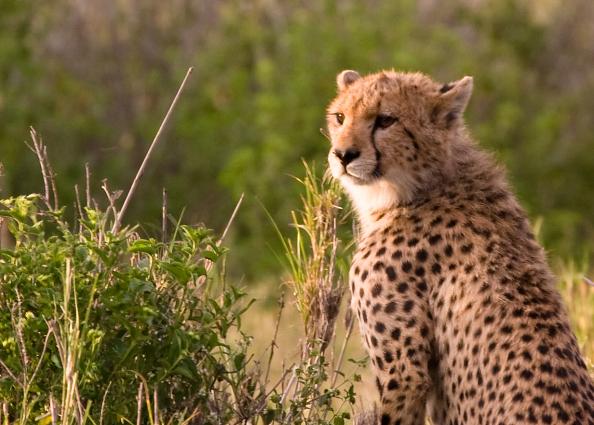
(392, 134)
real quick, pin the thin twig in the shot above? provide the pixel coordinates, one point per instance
(209, 264)
(139, 405)
(18, 327)
(49, 177)
(147, 398)
(273, 343)
(14, 378)
(52, 177)
(156, 406)
(164, 217)
(231, 219)
(37, 148)
(284, 369)
(118, 221)
(280, 382)
(45, 344)
(111, 197)
(342, 351)
(78, 206)
(289, 386)
(102, 412)
(88, 184)
(53, 410)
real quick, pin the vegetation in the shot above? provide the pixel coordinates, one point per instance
(94, 78)
(104, 326)
(103, 321)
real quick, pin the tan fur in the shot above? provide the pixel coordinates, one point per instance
(456, 303)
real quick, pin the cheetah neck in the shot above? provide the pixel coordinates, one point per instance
(373, 199)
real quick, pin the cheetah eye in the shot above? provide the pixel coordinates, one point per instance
(384, 121)
(339, 117)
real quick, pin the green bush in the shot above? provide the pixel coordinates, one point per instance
(96, 313)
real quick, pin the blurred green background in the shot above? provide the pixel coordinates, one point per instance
(95, 79)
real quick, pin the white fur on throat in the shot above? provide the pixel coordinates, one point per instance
(373, 197)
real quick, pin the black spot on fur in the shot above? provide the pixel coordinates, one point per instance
(391, 273)
(395, 334)
(422, 255)
(406, 267)
(390, 307)
(408, 306)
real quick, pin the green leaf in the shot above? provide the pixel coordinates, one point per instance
(338, 420)
(238, 360)
(178, 270)
(210, 255)
(148, 246)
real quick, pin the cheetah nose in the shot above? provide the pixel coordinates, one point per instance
(346, 157)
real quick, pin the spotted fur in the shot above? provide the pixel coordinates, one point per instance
(456, 303)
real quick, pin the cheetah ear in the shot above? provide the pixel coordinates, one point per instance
(346, 78)
(452, 101)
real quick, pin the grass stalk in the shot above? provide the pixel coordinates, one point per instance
(139, 404)
(345, 343)
(118, 219)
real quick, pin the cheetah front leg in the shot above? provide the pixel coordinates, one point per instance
(397, 332)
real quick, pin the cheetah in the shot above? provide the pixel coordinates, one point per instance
(456, 304)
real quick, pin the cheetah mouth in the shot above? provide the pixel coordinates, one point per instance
(354, 179)
(363, 178)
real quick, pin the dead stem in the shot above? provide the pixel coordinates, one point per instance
(156, 406)
(37, 148)
(209, 264)
(139, 405)
(44, 349)
(53, 409)
(164, 217)
(231, 219)
(78, 206)
(112, 197)
(118, 220)
(17, 324)
(12, 375)
(342, 351)
(88, 184)
(102, 412)
(273, 343)
(52, 179)
(287, 389)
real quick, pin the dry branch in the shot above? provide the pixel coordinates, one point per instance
(118, 221)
